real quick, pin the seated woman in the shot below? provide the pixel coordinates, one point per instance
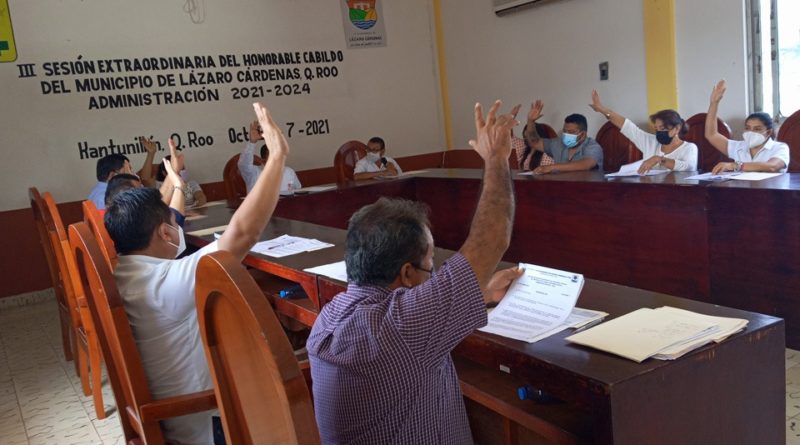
(665, 149)
(758, 152)
(192, 192)
(528, 158)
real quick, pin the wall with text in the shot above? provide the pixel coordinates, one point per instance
(90, 77)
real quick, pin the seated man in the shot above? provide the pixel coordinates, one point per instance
(380, 351)
(123, 181)
(158, 291)
(375, 164)
(251, 168)
(114, 164)
(574, 151)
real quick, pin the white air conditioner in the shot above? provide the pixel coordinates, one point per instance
(502, 7)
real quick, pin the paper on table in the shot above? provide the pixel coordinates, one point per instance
(317, 188)
(209, 231)
(536, 303)
(713, 177)
(209, 204)
(286, 245)
(728, 327)
(643, 333)
(755, 176)
(337, 271)
(632, 169)
(414, 172)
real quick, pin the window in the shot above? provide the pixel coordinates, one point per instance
(774, 30)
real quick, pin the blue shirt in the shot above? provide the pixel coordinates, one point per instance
(98, 195)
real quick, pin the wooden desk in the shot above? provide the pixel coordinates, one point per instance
(731, 393)
(734, 243)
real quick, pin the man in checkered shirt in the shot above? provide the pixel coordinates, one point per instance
(380, 351)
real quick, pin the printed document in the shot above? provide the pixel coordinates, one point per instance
(633, 170)
(337, 271)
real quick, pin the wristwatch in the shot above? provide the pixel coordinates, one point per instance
(738, 167)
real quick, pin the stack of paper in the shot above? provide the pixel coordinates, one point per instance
(539, 304)
(665, 333)
(286, 245)
(633, 170)
(739, 176)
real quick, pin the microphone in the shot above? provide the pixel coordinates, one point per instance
(384, 161)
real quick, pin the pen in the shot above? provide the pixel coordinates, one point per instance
(589, 325)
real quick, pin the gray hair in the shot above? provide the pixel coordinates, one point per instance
(383, 236)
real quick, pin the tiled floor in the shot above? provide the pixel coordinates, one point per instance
(41, 401)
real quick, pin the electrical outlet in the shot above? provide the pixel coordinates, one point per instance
(604, 71)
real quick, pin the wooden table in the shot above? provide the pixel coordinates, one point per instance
(731, 393)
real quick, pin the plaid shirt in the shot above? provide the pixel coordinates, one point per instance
(380, 360)
(518, 145)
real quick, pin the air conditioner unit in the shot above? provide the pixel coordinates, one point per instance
(502, 7)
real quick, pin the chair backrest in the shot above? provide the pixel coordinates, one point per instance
(707, 155)
(618, 150)
(261, 392)
(121, 355)
(72, 291)
(38, 208)
(93, 218)
(344, 162)
(235, 187)
(790, 134)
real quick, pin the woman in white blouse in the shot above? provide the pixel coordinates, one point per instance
(757, 152)
(665, 149)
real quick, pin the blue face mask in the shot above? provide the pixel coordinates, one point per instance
(569, 140)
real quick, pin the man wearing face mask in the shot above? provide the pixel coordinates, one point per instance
(158, 290)
(380, 351)
(375, 163)
(573, 151)
(757, 152)
(664, 150)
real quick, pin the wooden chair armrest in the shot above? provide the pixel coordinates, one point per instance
(178, 406)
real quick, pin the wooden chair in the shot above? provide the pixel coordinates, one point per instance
(344, 162)
(93, 218)
(139, 413)
(790, 134)
(707, 155)
(235, 187)
(262, 393)
(64, 311)
(88, 361)
(617, 149)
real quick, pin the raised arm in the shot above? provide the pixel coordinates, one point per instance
(245, 163)
(615, 118)
(490, 232)
(719, 141)
(177, 200)
(255, 211)
(530, 133)
(177, 162)
(147, 168)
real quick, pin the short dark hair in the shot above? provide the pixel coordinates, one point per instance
(671, 119)
(109, 164)
(264, 152)
(118, 184)
(379, 141)
(765, 119)
(577, 119)
(383, 236)
(133, 216)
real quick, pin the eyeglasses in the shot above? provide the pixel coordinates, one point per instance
(432, 269)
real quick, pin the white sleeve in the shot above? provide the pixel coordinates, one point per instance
(396, 165)
(194, 187)
(734, 147)
(297, 184)
(782, 153)
(177, 286)
(246, 168)
(361, 166)
(644, 141)
(687, 161)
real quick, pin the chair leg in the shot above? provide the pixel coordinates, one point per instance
(73, 339)
(83, 355)
(66, 327)
(97, 378)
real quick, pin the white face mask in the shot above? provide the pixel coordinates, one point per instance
(753, 139)
(181, 244)
(185, 175)
(373, 157)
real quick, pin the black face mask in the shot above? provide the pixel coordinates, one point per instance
(663, 137)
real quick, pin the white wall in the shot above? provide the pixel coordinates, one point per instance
(711, 45)
(390, 91)
(552, 51)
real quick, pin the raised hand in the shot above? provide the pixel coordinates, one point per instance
(536, 111)
(500, 282)
(272, 134)
(172, 176)
(255, 134)
(493, 138)
(148, 145)
(596, 104)
(176, 156)
(718, 92)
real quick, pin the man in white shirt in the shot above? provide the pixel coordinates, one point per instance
(251, 168)
(158, 290)
(375, 164)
